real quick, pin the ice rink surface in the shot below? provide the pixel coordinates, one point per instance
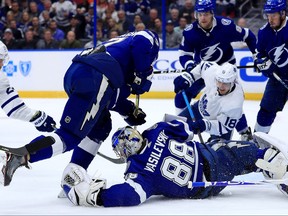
(34, 192)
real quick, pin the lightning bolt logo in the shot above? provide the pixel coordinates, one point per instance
(278, 52)
(90, 114)
(210, 53)
(280, 55)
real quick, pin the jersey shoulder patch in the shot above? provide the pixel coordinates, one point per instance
(189, 27)
(225, 21)
(238, 29)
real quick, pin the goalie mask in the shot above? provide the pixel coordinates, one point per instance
(127, 141)
(4, 53)
(226, 76)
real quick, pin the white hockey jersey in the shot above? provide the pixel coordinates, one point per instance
(222, 111)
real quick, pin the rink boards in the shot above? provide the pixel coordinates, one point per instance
(39, 74)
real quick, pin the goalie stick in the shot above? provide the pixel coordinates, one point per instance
(113, 160)
(183, 70)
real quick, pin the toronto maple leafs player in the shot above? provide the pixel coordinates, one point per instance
(272, 57)
(212, 112)
(14, 106)
(99, 80)
(164, 160)
(209, 39)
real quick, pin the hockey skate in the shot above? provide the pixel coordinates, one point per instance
(247, 135)
(12, 163)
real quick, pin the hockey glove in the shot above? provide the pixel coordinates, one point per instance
(142, 82)
(183, 82)
(43, 122)
(191, 66)
(136, 117)
(197, 126)
(265, 66)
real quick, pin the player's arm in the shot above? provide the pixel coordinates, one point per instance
(128, 193)
(186, 50)
(145, 49)
(14, 107)
(243, 34)
(126, 108)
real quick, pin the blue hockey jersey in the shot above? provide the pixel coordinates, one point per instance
(125, 56)
(215, 44)
(274, 45)
(169, 161)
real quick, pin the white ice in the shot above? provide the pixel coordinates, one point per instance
(34, 192)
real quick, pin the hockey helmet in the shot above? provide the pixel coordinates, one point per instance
(127, 141)
(226, 73)
(4, 53)
(273, 6)
(202, 6)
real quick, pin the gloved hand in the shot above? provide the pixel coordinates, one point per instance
(43, 122)
(190, 66)
(141, 87)
(142, 82)
(183, 82)
(197, 126)
(265, 66)
(135, 117)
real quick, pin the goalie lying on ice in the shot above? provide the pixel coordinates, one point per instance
(164, 159)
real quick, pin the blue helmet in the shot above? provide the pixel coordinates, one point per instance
(273, 6)
(204, 6)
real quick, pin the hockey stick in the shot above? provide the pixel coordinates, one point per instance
(113, 160)
(191, 114)
(135, 113)
(280, 80)
(236, 183)
(183, 70)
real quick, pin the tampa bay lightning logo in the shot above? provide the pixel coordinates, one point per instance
(212, 53)
(203, 106)
(25, 67)
(279, 56)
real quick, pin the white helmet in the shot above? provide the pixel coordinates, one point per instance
(227, 73)
(127, 141)
(4, 53)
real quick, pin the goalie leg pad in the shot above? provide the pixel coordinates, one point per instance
(274, 164)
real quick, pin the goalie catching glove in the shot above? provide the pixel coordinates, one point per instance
(43, 122)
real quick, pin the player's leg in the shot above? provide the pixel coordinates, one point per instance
(274, 99)
(223, 160)
(85, 152)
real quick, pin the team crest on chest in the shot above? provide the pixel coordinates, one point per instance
(279, 56)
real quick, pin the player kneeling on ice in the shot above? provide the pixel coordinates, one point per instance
(164, 160)
(220, 107)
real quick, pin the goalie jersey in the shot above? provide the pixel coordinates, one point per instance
(164, 167)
